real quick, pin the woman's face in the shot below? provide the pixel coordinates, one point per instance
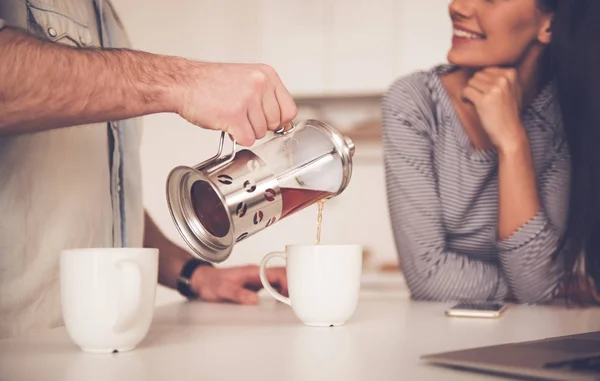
(496, 32)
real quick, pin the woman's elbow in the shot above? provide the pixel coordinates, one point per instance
(527, 295)
(427, 292)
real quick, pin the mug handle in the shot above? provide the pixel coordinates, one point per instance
(129, 294)
(265, 281)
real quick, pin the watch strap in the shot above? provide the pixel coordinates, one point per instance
(183, 281)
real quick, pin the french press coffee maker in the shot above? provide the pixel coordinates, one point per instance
(233, 196)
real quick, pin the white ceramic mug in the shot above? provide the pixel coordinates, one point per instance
(323, 282)
(108, 296)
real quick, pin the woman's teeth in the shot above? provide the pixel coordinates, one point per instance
(464, 34)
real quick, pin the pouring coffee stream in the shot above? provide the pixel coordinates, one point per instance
(231, 197)
(320, 204)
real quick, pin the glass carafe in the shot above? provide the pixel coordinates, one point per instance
(233, 196)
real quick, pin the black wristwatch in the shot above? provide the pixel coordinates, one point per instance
(183, 281)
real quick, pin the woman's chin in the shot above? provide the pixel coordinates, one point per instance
(465, 59)
(466, 62)
(473, 61)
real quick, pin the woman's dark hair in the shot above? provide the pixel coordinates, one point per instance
(572, 60)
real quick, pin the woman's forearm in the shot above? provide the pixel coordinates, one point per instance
(527, 239)
(518, 196)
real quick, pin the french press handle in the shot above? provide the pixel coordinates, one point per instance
(228, 158)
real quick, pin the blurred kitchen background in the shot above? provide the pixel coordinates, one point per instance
(337, 58)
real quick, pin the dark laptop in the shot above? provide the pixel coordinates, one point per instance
(574, 357)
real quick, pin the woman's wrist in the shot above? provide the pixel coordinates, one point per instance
(514, 145)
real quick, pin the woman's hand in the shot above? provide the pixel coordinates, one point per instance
(497, 97)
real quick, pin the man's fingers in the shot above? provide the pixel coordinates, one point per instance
(277, 276)
(278, 279)
(245, 296)
(287, 106)
(250, 276)
(236, 294)
(271, 110)
(242, 133)
(257, 119)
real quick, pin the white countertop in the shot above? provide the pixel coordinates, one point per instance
(219, 342)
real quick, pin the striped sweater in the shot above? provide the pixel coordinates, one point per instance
(443, 198)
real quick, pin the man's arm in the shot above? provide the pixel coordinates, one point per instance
(171, 257)
(44, 85)
(235, 284)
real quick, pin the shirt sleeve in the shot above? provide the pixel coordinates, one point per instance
(527, 257)
(2, 24)
(432, 271)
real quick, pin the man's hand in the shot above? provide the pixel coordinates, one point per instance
(244, 100)
(82, 86)
(235, 284)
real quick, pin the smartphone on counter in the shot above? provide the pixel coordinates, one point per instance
(477, 310)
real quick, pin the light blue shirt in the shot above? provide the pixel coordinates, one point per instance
(64, 188)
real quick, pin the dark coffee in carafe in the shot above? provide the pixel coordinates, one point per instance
(213, 216)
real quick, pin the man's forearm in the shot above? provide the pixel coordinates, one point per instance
(45, 85)
(171, 257)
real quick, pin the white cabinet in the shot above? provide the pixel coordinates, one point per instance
(207, 30)
(292, 41)
(360, 53)
(422, 34)
(341, 47)
(318, 47)
(329, 47)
